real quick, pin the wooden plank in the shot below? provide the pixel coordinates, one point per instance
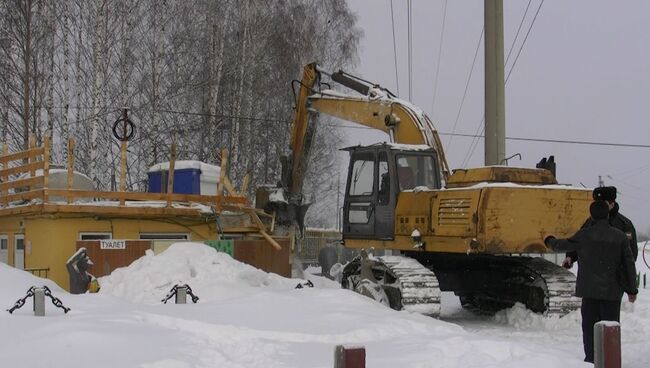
(20, 210)
(37, 193)
(144, 196)
(71, 146)
(29, 182)
(20, 169)
(32, 157)
(22, 155)
(107, 260)
(170, 175)
(244, 186)
(3, 177)
(122, 169)
(257, 253)
(222, 172)
(46, 167)
(116, 210)
(229, 187)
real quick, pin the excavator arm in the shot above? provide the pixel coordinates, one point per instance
(375, 108)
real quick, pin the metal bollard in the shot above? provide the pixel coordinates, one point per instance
(349, 357)
(181, 295)
(39, 302)
(607, 344)
(644, 280)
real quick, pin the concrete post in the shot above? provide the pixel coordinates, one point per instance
(39, 302)
(607, 344)
(349, 357)
(181, 295)
(495, 122)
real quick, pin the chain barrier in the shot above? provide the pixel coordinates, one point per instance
(174, 289)
(30, 293)
(307, 284)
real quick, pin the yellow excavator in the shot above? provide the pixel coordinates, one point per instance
(468, 231)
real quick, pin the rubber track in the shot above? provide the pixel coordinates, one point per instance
(418, 285)
(560, 287)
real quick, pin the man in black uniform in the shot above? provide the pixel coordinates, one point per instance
(608, 194)
(606, 271)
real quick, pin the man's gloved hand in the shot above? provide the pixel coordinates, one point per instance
(568, 262)
(631, 298)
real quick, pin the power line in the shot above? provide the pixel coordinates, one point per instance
(525, 38)
(442, 35)
(225, 116)
(410, 47)
(469, 77)
(481, 128)
(392, 21)
(611, 144)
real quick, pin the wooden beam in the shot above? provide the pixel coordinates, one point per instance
(71, 146)
(222, 171)
(145, 196)
(28, 182)
(244, 186)
(32, 156)
(21, 155)
(20, 169)
(46, 167)
(229, 187)
(37, 193)
(123, 147)
(3, 174)
(170, 175)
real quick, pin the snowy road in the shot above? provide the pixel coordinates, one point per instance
(247, 318)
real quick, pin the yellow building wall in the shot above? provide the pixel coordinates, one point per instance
(49, 242)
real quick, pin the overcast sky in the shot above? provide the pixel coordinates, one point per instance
(583, 75)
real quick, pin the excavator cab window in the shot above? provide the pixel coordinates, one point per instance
(416, 170)
(362, 174)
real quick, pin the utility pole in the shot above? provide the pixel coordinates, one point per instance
(495, 126)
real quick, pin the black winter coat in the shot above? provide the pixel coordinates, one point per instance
(620, 222)
(606, 263)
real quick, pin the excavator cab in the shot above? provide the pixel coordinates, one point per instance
(377, 174)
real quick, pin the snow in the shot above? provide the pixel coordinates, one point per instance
(249, 318)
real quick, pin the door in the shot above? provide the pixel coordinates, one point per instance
(19, 251)
(359, 206)
(385, 208)
(4, 249)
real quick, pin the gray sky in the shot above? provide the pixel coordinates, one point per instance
(583, 75)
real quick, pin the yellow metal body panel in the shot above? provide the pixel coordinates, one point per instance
(492, 219)
(499, 174)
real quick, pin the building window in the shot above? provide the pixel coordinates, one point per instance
(95, 236)
(164, 236)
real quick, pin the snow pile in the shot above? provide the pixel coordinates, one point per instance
(521, 318)
(212, 275)
(14, 284)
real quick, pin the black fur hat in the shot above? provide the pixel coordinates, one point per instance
(599, 210)
(605, 194)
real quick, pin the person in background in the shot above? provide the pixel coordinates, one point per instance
(616, 219)
(606, 271)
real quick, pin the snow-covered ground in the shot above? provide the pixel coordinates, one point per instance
(248, 318)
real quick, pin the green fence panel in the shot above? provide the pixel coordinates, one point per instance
(225, 246)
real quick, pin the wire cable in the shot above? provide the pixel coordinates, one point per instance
(410, 47)
(469, 78)
(392, 21)
(435, 82)
(481, 128)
